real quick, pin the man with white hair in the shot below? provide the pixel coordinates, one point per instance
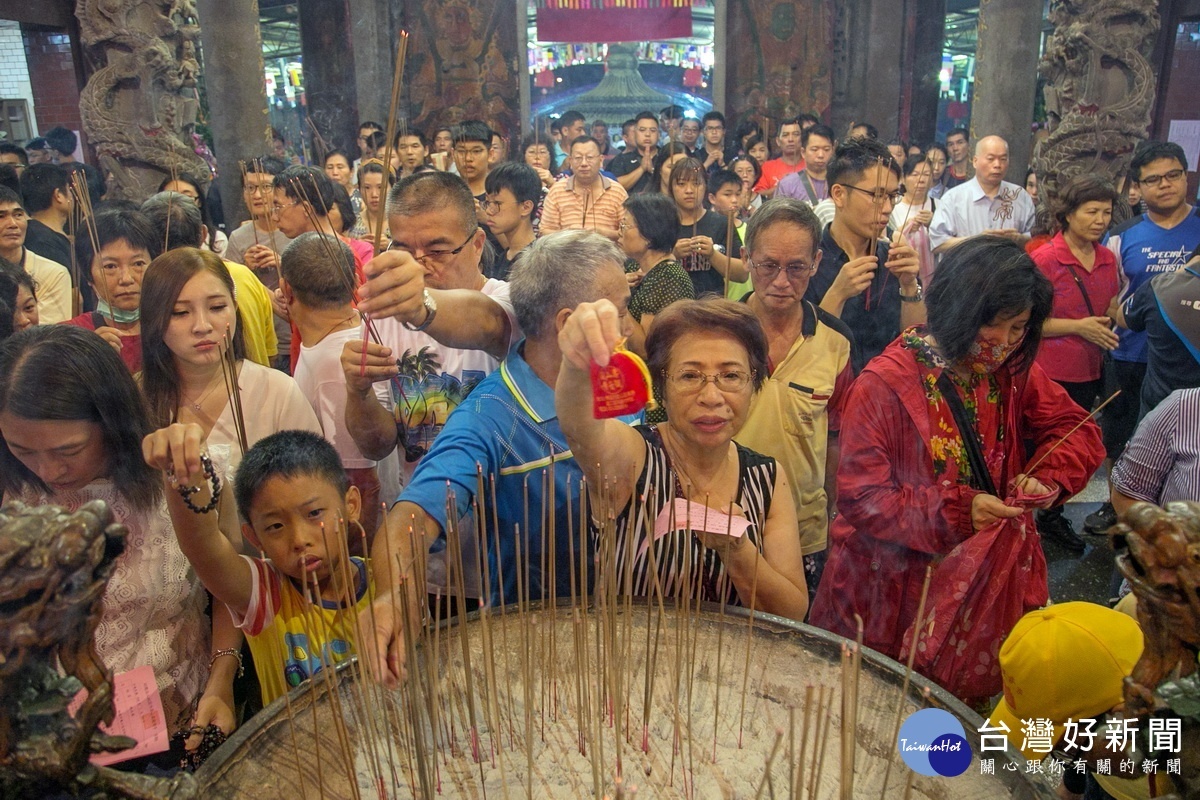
(507, 431)
(985, 204)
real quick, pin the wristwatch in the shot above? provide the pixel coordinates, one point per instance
(913, 298)
(430, 312)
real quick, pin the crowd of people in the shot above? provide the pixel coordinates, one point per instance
(867, 359)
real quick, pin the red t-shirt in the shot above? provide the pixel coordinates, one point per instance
(1073, 359)
(774, 171)
(131, 346)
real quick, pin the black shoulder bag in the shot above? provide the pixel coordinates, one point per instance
(981, 478)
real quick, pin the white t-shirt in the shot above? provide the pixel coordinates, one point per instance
(319, 376)
(54, 292)
(271, 402)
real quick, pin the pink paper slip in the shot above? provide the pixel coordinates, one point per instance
(139, 716)
(692, 516)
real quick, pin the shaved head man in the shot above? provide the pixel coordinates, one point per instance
(986, 204)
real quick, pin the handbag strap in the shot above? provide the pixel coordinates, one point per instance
(981, 478)
(810, 188)
(1079, 283)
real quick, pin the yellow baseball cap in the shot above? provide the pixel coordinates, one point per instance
(1064, 662)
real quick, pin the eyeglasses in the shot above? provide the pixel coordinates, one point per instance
(626, 226)
(1154, 180)
(261, 188)
(492, 206)
(769, 269)
(690, 381)
(473, 152)
(879, 195)
(440, 256)
(585, 159)
(276, 210)
(714, 129)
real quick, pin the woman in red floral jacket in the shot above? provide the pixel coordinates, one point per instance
(912, 492)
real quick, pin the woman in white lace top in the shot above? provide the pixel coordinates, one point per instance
(71, 428)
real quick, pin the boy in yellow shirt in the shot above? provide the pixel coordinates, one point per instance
(293, 497)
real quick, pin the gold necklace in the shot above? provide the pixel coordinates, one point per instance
(677, 464)
(338, 324)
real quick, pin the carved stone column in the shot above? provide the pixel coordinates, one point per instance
(777, 59)
(375, 31)
(463, 63)
(142, 92)
(237, 97)
(1006, 77)
(1100, 87)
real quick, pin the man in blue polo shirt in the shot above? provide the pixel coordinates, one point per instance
(508, 428)
(1148, 245)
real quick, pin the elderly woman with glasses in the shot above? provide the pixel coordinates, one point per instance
(696, 514)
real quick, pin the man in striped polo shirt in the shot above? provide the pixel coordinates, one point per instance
(587, 199)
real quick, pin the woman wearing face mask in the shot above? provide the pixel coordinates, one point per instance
(914, 484)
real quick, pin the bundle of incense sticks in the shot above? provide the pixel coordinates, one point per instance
(83, 202)
(393, 109)
(336, 254)
(233, 391)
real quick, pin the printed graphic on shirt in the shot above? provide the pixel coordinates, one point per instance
(303, 660)
(1158, 260)
(423, 396)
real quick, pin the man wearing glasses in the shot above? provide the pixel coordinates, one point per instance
(795, 416)
(472, 144)
(1151, 244)
(258, 242)
(713, 152)
(441, 325)
(586, 200)
(985, 204)
(865, 280)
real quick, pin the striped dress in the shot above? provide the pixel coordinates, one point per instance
(684, 565)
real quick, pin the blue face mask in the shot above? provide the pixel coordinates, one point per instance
(116, 314)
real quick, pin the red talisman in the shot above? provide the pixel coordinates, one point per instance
(622, 387)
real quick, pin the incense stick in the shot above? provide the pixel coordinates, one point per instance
(397, 73)
(908, 668)
(1078, 425)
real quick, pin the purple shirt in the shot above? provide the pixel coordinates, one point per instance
(794, 186)
(1162, 462)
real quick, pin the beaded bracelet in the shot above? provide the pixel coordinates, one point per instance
(186, 492)
(230, 652)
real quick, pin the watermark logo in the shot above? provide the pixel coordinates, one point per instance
(932, 742)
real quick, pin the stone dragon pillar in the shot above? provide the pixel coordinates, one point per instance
(1100, 88)
(141, 96)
